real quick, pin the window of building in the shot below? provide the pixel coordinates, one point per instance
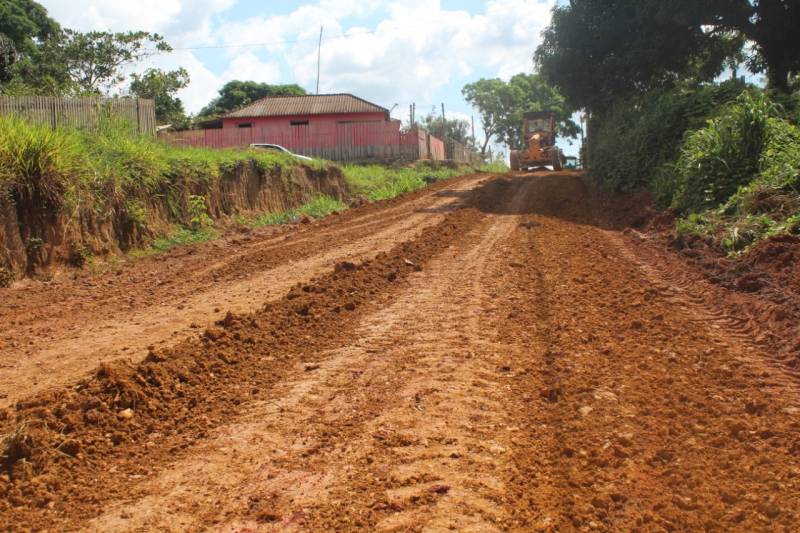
(299, 123)
(245, 125)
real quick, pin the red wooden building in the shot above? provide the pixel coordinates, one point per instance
(339, 127)
(319, 110)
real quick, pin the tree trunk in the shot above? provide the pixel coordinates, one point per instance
(485, 144)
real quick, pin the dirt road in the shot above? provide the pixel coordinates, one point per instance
(483, 356)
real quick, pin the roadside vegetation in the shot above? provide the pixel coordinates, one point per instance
(113, 166)
(668, 112)
(376, 182)
(320, 206)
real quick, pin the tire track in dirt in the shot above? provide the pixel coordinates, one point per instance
(263, 271)
(385, 400)
(731, 313)
(643, 415)
(128, 421)
(533, 376)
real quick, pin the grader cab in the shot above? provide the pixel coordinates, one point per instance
(540, 143)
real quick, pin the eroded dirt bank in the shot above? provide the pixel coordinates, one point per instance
(512, 366)
(41, 232)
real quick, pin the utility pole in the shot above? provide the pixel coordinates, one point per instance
(444, 128)
(474, 141)
(319, 56)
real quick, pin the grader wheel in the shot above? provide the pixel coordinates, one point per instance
(557, 166)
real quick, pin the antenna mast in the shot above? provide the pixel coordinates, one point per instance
(319, 56)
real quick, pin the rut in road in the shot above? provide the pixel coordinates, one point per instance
(523, 371)
(54, 333)
(409, 409)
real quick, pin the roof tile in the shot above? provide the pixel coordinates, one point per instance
(314, 104)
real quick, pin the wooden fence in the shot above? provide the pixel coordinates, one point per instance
(82, 113)
(364, 141)
(462, 154)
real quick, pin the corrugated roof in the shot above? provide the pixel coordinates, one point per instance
(314, 104)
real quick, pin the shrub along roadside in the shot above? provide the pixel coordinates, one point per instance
(725, 157)
(95, 170)
(738, 179)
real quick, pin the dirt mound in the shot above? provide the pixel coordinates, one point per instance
(780, 257)
(125, 419)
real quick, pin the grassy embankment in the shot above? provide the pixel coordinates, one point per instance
(725, 158)
(370, 182)
(76, 172)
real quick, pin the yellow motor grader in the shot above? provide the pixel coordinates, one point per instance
(540, 150)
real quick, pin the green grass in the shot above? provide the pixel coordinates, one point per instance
(495, 167)
(739, 177)
(105, 169)
(184, 237)
(375, 182)
(320, 206)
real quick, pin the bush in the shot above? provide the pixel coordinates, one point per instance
(740, 175)
(723, 156)
(632, 147)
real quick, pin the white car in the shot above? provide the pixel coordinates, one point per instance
(279, 148)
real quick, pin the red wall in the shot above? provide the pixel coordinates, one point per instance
(312, 119)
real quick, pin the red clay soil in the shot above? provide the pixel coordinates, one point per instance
(514, 365)
(54, 332)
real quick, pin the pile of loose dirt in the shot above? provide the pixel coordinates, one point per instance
(69, 450)
(780, 257)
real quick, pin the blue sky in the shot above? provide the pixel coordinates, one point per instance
(387, 51)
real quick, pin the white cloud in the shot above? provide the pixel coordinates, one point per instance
(182, 21)
(415, 51)
(249, 67)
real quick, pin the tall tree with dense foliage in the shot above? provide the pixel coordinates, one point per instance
(596, 51)
(162, 86)
(24, 29)
(237, 93)
(772, 25)
(96, 60)
(601, 51)
(501, 107)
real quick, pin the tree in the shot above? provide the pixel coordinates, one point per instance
(24, 28)
(597, 52)
(529, 92)
(487, 96)
(96, 60)
(772, 25)
(162, 87)
(454, 129)
(501, 107)
(236, 93)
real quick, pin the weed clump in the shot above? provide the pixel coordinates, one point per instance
(318, 207)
